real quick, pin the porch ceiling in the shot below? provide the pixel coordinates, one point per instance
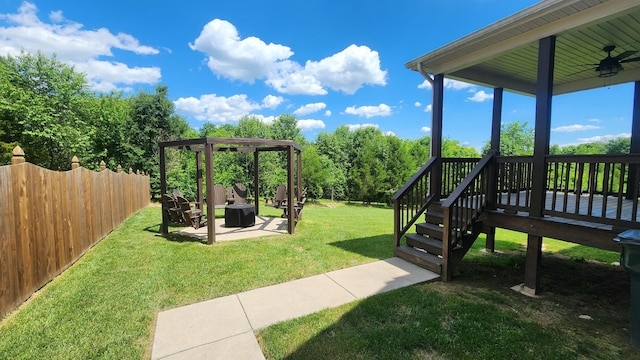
(505, 54)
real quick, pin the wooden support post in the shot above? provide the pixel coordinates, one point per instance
(199, 195)
(119, 169)
(632, 179)
(211, 210)
(496, 125)
(496, 120)
(544, 95)
(103, 166)
(291, 218)
(299, 174)
(256, 187)
(164, 228)
(436, 134)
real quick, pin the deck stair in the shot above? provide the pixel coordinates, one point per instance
(424, 248)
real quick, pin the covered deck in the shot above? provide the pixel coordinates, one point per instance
(582, 199)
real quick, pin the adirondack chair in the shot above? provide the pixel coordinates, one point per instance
(297, 208)
(172, 209)
(239, 194)
(219, 196)
(177, 193)
(191, 216)
(279, 199)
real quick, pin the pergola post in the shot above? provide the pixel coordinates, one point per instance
(256, 188)
(211, 210)
(164, 228)
(291, 218)
(544, 95)
(199, 178)
(299, 174)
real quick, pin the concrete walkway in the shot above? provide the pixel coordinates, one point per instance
(223, 328)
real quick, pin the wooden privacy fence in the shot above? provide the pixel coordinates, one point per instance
(48, 219)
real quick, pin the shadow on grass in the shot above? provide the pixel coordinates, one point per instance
(172, 235)
(375, 247)
(475, 316)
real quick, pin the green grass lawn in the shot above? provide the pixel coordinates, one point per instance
(105, 305)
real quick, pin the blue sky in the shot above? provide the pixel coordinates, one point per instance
(329, 63)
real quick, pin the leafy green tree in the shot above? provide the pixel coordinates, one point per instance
(314, 173)
(336, 147)
(43, 108)
(419, 151)
(155, 121)
(453, 148)
(618, 146)
(398, 165)
(516, 138)
(367, 178)
(285, 127)
(111, 140)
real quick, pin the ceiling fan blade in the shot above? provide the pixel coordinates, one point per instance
(625, 54)
(630, 60)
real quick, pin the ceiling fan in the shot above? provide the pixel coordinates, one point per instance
(611, 65)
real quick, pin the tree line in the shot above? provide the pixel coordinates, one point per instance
(48, 109)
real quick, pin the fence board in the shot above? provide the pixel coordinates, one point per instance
(48, 219)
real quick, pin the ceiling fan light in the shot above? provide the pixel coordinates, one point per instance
(609, 70)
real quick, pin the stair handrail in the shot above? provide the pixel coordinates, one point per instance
(412, 199)
(467, 202)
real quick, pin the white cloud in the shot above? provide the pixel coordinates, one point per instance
(217, 109)
(76, 46)
(448, 84)
(251, 59)
(272, 102)
(354, 127)
(310, 124)
(425, 129)
(389, 133)
(229, 56)
(349, 69)
(480, 96)
(428, 108)
(327, 113)
(603, 138)
(594, 120)
(369, 111)
(575, 127)
(417, 104)
(309, 108)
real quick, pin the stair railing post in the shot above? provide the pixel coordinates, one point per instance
(445, 272)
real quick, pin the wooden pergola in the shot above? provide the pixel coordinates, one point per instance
(209, 146)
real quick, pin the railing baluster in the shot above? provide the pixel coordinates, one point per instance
(605, 188)
(621, 191)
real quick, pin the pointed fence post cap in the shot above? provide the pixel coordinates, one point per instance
(18, 155)
(119, 168)
(75, 163)
(103, 166)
